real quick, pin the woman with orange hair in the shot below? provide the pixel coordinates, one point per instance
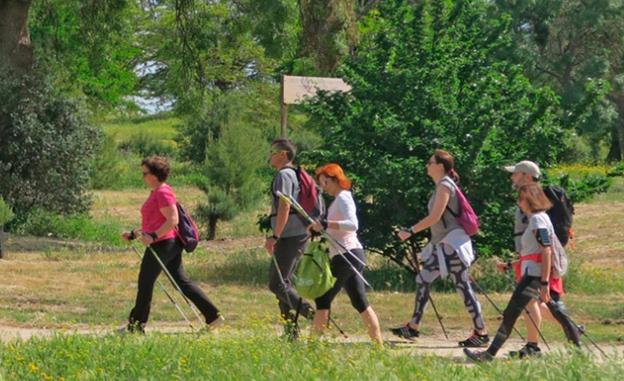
(342, 225)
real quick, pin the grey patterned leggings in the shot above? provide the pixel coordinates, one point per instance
(459, 273)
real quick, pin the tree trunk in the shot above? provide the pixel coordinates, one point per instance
(16, 51)
(1, 238)
(617, 133)
(212, 228)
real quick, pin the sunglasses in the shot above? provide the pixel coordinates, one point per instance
(274, 152)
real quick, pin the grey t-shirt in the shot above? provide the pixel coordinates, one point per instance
(285, 181)
(530, 245)
(520, 225)
(448, 222)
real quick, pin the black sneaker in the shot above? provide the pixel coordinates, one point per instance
(405, 332)
(529, 350)
(132, 328)
(291, 332)
(475, 341)
(478, 356)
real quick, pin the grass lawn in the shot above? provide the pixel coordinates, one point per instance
(161, 128)
(262, 357)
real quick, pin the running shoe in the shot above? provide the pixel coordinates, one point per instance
(529, 350)
(475, 341)
(405, 332)
(478, 356)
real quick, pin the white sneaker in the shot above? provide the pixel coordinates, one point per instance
(216, 323)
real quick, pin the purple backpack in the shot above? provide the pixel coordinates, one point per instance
(466, 217)
(187, 230)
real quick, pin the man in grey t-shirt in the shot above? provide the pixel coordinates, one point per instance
(289, 238)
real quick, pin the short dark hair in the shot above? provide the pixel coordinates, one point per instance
(158, 166)
(286, 145)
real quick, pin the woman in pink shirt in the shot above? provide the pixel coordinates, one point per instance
(159, 216)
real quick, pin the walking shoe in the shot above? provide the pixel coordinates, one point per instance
(475, 341)
(132, 328)
(478, 356)
(528, 350)
(573, 333)
(291, 331)
(216, 323)
(405, 332)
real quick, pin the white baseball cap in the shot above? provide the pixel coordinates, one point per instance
(525, 166)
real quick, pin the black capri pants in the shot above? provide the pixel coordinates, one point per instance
(347, 278)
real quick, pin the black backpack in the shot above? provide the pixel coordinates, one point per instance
(561, 213)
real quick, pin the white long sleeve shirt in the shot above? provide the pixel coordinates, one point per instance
(342, 211)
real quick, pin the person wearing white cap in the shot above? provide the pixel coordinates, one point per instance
(524, 173)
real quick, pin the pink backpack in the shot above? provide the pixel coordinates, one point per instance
(466, 217)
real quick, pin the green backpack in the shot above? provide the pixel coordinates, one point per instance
(313, 277)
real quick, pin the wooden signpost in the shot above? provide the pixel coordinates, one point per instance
(296, 90)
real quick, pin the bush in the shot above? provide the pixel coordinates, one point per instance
(107, 165)
(584, 188)
(46, 146)
(232, 174)
(6, 213)
(145, 144)
(39, 222)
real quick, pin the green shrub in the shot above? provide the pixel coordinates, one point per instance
(145, 144)
(6, 213)
(46, 148)
(107, 165)
(583, 188)
(39, 222)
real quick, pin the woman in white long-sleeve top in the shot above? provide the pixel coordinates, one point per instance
(342, 225)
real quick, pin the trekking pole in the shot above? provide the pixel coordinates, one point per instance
(299, 209)
(162, 286)
(177, 287)
(584, 333)
(283, 282)
(281, 278)
(482, 291)
(435, 309)
(331, 320)
(539, 331)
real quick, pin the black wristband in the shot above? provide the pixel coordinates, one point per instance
(275, 237)
(544, 282)
(153, 235)
(324, 223)
(509, 264)
(131, 236)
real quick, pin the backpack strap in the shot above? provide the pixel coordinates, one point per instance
(291, 211)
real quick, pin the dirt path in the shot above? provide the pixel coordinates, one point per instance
(431, 345)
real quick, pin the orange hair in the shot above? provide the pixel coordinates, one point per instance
(335, 172)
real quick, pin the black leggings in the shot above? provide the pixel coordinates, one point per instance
(347, 278)
(170, 253)
(528, 289)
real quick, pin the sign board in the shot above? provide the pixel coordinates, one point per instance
(297, 89)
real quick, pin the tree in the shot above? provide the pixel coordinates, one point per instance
(429, 76)
(15, 46)
(232, 168)
(575, 47)
(6, 215)
(89, 46)
(46, 146)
